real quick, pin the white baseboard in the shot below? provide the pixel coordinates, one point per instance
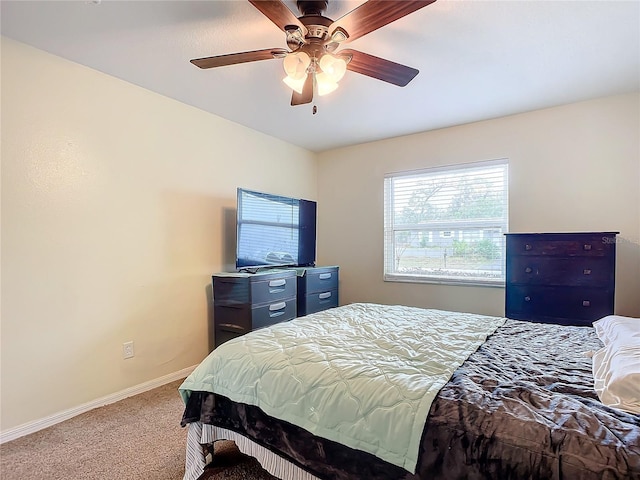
(31, 427)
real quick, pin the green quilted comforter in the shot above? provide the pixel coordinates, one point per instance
(364, 375)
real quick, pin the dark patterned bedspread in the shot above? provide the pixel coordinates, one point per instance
(521, 407)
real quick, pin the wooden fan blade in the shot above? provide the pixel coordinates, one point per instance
(277, 12)
(242, 57)
(379, 68)
(307, 93)
(375, 14)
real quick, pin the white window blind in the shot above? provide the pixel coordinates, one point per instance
(447, 224)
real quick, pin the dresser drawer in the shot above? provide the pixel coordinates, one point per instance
(590, 271)
(316, 302)
(318, 280)
(273, 289)
(582, 304)
(274, 312)
(244, 318)
(562, 245)
(255, 289)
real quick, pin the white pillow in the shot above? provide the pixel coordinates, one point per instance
(613, 327)
(616, 366)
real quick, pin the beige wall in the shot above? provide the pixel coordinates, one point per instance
(116, 203)
(571, 168)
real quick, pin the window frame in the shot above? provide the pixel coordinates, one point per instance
(438, 228)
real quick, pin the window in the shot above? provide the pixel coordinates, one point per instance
(447, 225)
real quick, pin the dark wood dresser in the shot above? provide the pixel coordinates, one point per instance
(564, 278)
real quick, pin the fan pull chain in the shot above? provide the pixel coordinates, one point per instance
(314, 110)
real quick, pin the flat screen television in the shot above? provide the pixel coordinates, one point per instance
(274, 231)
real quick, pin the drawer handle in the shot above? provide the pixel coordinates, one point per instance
(528, 270)
(527, 298)
(528, 247)
(587, 271)
(587, 246)
(324, 276)
(277, 306)
(324, 296)
(277, 283)
(230, 327)
(586, 303)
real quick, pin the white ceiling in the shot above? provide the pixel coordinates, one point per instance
(477, 60)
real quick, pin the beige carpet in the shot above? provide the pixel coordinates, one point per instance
(138, 438)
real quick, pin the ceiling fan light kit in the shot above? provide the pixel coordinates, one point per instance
(333, 67)
(296, 65)
(327, 72)
(312, 64)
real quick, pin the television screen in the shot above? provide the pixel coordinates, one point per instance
(274, 230)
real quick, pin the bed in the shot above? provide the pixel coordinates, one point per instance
(380, 392)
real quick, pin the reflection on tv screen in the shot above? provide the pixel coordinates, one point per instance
(274, 230)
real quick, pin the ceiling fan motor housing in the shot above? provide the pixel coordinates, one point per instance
(312, 7)
(316, 24)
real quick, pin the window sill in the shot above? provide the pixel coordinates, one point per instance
(471, 282)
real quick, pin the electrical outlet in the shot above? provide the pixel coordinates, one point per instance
(127, 350)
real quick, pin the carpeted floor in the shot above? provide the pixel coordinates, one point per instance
(138, 438)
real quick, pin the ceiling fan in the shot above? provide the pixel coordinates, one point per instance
(313, 62)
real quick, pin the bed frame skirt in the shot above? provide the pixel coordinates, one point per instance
(200, 435)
